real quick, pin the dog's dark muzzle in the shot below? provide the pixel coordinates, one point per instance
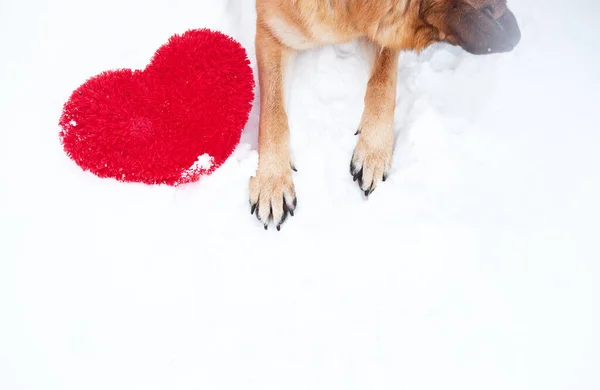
(507, 35)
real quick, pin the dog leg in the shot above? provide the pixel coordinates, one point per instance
(272, 194)
(372, 156)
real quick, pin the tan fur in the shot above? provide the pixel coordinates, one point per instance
(287, 26)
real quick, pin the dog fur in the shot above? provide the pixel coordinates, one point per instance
(285, 27)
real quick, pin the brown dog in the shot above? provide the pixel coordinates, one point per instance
(287, 26)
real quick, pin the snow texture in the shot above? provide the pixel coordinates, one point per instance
(475, 266)
(202, 164)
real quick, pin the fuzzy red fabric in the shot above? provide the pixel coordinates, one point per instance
(161, 125)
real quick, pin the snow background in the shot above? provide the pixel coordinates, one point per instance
(475, 266)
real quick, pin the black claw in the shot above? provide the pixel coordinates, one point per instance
(355, 175)
(291, 209)
(357, 132)
(352, 166)
(266, 226)
(278, 227)
(258, 212)
(384, 177)
(294, 168)
(256, 207)
(286, 211)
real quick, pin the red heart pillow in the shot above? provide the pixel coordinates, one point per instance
(180, 117)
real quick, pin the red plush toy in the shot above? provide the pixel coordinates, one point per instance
(179, 118)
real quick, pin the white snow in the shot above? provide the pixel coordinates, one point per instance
(475, 266)
(202, 164)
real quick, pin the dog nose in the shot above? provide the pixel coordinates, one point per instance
(511, 32)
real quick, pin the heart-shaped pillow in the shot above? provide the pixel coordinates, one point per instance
(179, 118)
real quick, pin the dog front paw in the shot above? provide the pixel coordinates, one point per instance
(272, 195)
(372, 158)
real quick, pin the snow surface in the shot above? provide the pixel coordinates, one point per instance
(475, 266)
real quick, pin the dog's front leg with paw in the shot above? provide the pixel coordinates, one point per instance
(272, 194)
(372, 156)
